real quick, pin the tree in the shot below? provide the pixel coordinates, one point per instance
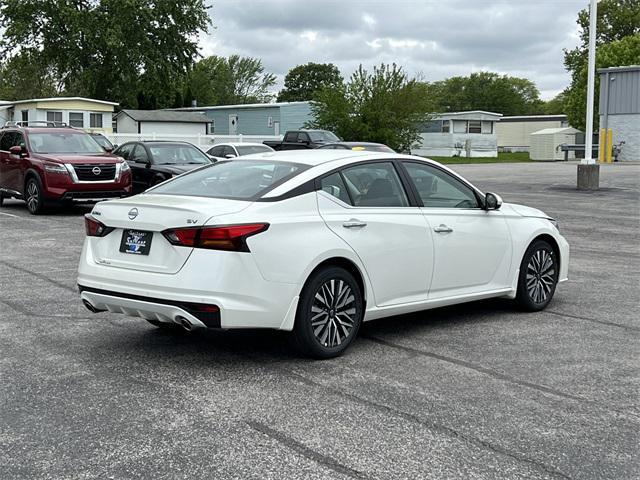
(385, 106)
(620, 52)
(487, 91)
(555, 106)
(225, 81)
(303, 81)
(617, 21)
(26, 76)
(108, 49)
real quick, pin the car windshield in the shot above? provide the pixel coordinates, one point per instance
(322, 136)
(249, 149)
(177, 154)
(63, 142)
(235, 180)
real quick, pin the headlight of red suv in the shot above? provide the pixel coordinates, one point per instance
(55, 168)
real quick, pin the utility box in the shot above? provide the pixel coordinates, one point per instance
(545, 144)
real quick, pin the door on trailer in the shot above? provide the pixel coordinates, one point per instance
(233, 124)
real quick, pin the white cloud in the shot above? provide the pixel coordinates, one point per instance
(433, 38)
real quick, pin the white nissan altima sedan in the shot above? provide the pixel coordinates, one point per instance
(314, 242)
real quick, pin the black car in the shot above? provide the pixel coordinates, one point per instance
(154, 162)
(356, 146)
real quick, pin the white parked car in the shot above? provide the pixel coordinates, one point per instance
(315, 242)
(232, 150)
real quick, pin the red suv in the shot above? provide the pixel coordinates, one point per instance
(58, 164)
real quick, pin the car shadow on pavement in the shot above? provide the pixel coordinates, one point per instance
(18, 208)
(259, 345)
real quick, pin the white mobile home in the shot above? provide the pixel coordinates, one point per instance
(459, 134)
(161, 122)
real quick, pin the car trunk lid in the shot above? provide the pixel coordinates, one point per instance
(146, 216)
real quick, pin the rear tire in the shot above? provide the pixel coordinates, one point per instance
(538, 277)
(1, 199)
(330, 313)
(33, 196)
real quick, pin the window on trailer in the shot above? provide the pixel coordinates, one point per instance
(76, 119)
(54, 117)
(95, 120)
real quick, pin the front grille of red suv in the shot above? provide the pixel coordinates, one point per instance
(95, 173)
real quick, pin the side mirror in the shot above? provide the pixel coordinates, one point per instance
(18, 150)
(230, 156)
(108, 149)
(492, 201)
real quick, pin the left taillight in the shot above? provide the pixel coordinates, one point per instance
(232, 238)
(94, 228)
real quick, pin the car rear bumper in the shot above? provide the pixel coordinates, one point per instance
(229, 280)
(151, 308)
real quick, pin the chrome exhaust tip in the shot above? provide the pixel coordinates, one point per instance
(185, 323)
(90, 307)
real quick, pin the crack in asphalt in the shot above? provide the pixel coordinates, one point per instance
(602, 322)
(40, 276)
(305, 451)
(385, 409)
(476, 368)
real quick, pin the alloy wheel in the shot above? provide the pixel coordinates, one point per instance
(333, 313)
(541, 273)
(33, 196)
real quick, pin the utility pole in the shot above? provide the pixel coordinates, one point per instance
(588, 169)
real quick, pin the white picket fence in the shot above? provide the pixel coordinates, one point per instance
(199, 140)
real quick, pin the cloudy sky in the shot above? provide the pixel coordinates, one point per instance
(432, 38)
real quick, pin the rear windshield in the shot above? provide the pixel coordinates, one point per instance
(249, 149)
(239, 180)
(63, 142)
(177, 154)
(322, 136)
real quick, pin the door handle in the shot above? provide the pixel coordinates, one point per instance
(443, 229)
(354, 223)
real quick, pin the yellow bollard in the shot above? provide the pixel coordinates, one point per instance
(609, 152)
(601, 142)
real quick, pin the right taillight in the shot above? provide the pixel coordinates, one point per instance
(94, 228)
(223, 237)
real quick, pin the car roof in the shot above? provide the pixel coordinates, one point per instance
(322, 161)
(355, 144)
(160, 142)
(42, 130)
(240, 144)
(312, 157)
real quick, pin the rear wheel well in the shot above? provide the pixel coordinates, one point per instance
(551, 241)
(346, 264)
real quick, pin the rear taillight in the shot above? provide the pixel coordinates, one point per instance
(225, 237)
(95, 228)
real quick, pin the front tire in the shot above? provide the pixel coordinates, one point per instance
(538, 277)
(33, 196)
(329, 313)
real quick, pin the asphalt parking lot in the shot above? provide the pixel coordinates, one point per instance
(473, 391)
